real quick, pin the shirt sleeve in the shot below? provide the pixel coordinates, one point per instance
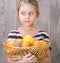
(42, 35)
(45, 36)
(14, 34)
(11, 36)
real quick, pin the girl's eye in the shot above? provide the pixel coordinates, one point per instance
(23, 13)
(31, 13)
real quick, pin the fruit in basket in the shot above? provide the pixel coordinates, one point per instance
(11, 43)
(42, 42)
(25, 44)
(36, 43)
(19, 42)
(28, 38)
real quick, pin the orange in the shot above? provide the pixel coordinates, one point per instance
(36, 43)
(25, 44)
(28, 38)
(42, 42)
(19, 42)
(11, 43)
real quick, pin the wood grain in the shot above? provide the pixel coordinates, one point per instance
(7, 23)
(55, 30)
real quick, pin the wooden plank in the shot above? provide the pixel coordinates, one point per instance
(44, 19)
(54, 26)
(2, 28)
(7, 17)
(7, 23)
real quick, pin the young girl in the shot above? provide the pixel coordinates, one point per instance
(28, 12)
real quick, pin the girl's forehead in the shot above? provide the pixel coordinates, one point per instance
(26, 6)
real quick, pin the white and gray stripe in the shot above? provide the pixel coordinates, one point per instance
(41, 35)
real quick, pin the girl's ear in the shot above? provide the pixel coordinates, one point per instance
(17, 14)
(38, 15)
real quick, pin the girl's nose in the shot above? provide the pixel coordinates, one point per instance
(27, 16)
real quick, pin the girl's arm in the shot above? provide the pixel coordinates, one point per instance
(10, 61)
(47, 59)
(28, 58)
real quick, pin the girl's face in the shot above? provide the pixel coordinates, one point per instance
(27, 15)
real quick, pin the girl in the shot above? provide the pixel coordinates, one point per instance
(28, 12)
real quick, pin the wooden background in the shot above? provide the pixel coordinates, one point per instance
(49, 21)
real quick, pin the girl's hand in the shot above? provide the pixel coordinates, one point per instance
(29, 58)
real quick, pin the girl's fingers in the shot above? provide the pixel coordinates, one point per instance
(28, 55)
(33, 58)
(24, 53)
(30, 58)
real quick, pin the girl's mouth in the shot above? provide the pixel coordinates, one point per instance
(26, 21)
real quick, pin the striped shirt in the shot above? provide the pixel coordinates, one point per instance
(15, 34)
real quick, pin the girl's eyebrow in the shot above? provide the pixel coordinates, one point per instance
(32, 11)
(29, 11)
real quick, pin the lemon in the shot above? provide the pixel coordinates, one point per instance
(28, 38)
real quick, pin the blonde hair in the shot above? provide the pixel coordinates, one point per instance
(33, 3)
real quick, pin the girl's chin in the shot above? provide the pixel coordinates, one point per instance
(27, 24)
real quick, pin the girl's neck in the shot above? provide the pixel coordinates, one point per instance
(28, 30)
(31, 28)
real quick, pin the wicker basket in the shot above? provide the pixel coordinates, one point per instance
(15, 53)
